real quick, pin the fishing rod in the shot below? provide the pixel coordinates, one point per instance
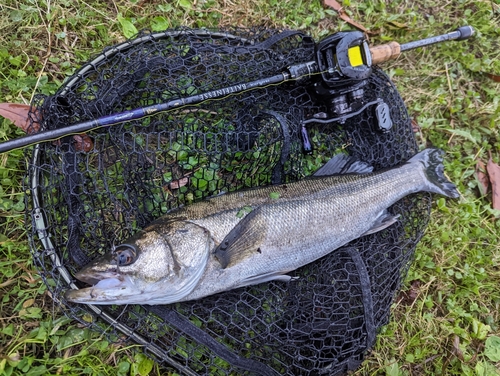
(343, 60)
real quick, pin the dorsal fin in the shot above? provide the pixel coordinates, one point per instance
(342, 164)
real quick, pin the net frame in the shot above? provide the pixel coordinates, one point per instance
(359, 264)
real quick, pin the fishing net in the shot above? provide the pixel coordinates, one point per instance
(89, 192)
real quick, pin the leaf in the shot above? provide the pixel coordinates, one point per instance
(19, 115)
(485, 369)
(128, 28)
(483, 181)
(165, 8)
(176, 184)
(492, 348)
(143, 365)
(480, 370)
(123, 368)
(244, 210)
(392, 369)
(159, 23)
(8, 330)
(28, 303)
(83, 142)
(456, 348)
(494, 77)
(15, 61)
(14, 359)
(397, 25)
(479, 329)
(494, 173)
(37, 370)
(185, 4)
(409, 296)
(274, 195)
(462, 133)
(414, 126)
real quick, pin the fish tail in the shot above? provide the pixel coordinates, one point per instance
(432, 160)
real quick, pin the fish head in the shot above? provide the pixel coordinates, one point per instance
(160, 265)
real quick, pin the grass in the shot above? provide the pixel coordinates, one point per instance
(446, 321)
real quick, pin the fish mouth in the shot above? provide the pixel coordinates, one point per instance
(107, 288)
(95, 277)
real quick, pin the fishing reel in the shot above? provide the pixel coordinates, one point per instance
(344, 61)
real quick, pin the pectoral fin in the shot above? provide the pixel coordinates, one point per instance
(244, 240)
(275, 276)
(384, 220)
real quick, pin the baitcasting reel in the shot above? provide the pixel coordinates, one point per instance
(345, 62)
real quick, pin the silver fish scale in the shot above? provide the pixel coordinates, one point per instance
(297, 229)
(342, 185)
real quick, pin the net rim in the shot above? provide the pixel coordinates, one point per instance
(41, 223)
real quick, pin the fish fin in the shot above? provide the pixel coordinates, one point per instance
(343, 164)
(242, 241)
(384, 220)
(261, 278)
(432, 160)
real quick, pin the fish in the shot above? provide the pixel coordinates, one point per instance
(254, 236)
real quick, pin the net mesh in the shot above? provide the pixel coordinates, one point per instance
(89, 192)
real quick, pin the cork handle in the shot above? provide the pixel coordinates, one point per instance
(385, 52)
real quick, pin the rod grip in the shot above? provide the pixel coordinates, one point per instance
(385, 52)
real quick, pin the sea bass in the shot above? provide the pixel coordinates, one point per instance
(254, 236)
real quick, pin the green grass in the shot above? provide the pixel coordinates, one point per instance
(447, 319)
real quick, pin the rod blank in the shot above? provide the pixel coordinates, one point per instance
(138, 113)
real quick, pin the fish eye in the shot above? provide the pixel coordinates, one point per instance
(124, 254)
